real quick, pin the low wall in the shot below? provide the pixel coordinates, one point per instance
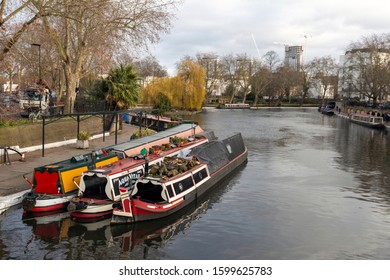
(31, 134)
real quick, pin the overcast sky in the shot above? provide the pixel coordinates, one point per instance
(323, 27)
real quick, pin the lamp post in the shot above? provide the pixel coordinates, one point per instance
(39, 60)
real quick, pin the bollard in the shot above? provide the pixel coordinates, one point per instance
(23, 158)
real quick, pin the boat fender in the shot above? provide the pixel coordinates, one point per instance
(75, 205)
(29, 201)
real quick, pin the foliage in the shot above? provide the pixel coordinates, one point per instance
(162, 103)
(84, 135)
(185, 91)
(123, 87)
(141, 133)
(12, 123)
(93, 87)
(192, 84)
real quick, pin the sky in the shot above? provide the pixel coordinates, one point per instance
(254, 27)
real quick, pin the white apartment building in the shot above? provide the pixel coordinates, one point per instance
(351, 83)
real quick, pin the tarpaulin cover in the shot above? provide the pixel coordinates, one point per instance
(218, 153)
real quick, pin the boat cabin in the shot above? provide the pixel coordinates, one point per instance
(57, 178)
(368, 119)
(170, 180)
(134, 147)
(95, 184)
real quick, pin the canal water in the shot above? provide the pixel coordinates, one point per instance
(314, 188)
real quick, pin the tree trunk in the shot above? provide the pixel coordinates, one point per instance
(233, 93)
(71, 81)
(244, 98)
(256, 99)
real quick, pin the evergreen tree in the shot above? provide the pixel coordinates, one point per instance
(123, 87)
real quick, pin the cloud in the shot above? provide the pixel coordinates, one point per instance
(225, 27)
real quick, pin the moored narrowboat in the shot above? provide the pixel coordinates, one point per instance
(100, 188)
(134, 147)
(52, 186)
(370, 121)
(176, 183)
(234, 106)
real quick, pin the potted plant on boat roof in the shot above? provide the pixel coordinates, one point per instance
(83, 140)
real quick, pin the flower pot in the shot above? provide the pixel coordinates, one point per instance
(82, 144)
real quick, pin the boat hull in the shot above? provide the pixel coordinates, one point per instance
(327, 112)
(85, 210)
(369, 124)
(45, 203)
(374, 126)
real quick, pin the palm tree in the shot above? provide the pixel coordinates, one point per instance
(123, 87)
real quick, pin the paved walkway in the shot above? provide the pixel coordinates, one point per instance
(11, 176)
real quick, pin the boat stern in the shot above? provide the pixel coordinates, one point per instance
(122, 213)
(120, 217)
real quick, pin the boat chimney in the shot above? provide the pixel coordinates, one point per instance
(146, 165)
(93, 157)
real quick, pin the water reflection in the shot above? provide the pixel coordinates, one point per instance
(130, 239)
(50, 227)
(156, 234)
(363, 153)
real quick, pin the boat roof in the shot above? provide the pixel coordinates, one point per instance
(130, 163)
(156, 117)
(152, 138)
(76, 161)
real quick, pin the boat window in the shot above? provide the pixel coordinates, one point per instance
(183, 185)
(200, 175)
(95, 187)
(170, 191)
(149, 192)
(119, 154)
(229, 148)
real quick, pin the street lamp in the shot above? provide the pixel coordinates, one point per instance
(39, 60)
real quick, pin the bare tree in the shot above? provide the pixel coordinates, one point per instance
(324, 71)
(229, 67)
(244, 71)
(259, 82)
(305, 80)
(237, 71)
(10, 70)
(16, 17)
(149, 66)
(367, 67)
(82, 28)
(212, 64)
(271, 59)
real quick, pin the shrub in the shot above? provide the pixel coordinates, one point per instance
(84, 135)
